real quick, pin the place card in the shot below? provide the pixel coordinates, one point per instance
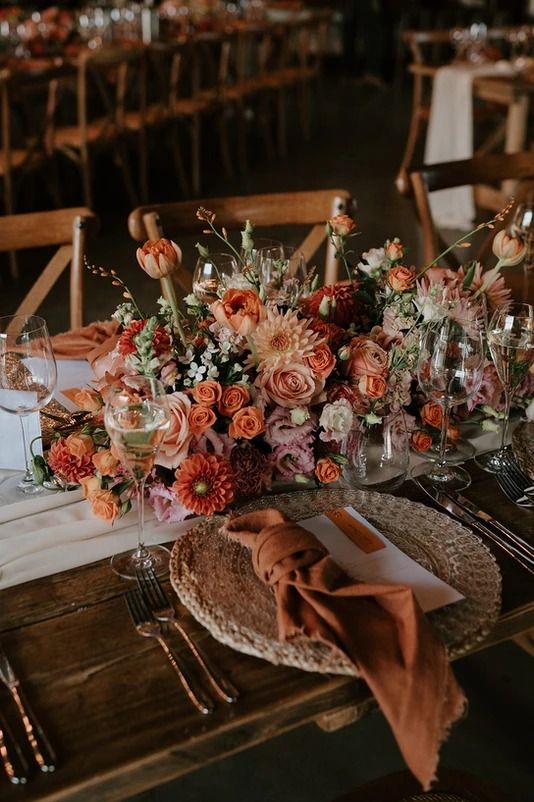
(72, 373)
(367, 555)
(12, 455)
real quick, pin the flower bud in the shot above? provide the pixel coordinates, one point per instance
(508, 250)
(159, 258)
(341, 225)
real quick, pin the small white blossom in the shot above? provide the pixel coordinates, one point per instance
(299, 415)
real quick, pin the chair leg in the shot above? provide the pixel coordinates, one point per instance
(85, 169)
(264, 118)
(176, 150)
(224, 144)
(143, 166)
(281, 121)
(196, 149)
(122, 159)
(305, 120)
(242, 137)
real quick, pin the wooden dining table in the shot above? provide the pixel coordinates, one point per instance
(115, 711)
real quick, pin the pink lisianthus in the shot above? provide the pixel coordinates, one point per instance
(165, 504)
(281, 429)
(489, 392)
(214, 442)
(293, 458)
(337, 419)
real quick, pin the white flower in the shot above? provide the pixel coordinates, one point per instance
(529, 411)
(337, 420)
(489, 425)
(299, 415)
(428, 308)
(192, 300)
(374, 261)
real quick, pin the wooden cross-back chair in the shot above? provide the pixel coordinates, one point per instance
(65, 228)
(483, 173)
(312, 208)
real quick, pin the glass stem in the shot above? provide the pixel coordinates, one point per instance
(28, 477)
(506, 420)
(141, 552)
(442, 462)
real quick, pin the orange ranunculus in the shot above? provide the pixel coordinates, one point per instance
(327, 470)
(394, 250)
(342, 225)
(401, 278)
(90, 485)
(421, 441)
(372, 386)
(322, 361)
(88, 400)
(233, 398)
(247, 422)
(200, 418)
(366, 358)
(239, 310)
(432, 414)
(80, 445)
(207, 392)
(106, 462)
(105, 504)
(508, 250)
(160, 257)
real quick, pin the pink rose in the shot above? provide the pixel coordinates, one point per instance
(289, 385)
(178, 436)
(366, 358)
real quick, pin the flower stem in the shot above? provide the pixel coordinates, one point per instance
(170, 294)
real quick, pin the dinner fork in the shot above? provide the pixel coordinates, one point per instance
(162, 610)
(13, 761)
(149, 628)
(515, 484)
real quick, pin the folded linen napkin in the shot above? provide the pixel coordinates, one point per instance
(381, 628)
(89, 342)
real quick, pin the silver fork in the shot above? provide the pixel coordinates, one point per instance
(14, 762)
(162, 610)
(149, 628)
(511, 467)
(515, 484)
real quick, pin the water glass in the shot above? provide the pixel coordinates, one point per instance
(211, 274)
(379, 454)
(277, 264)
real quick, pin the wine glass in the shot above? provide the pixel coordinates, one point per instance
(28, 377)
(511, 344)
(522, 226)
(379, 453)
(136, 418)
(449, 369)
(210, 273)
(276, 264)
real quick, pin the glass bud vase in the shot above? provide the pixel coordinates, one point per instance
(378, 454)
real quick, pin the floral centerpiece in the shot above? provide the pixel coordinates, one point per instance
(274, 382)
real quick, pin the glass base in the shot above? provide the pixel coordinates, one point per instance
(451, 477)
(491, 461)
(455, 453)
(28, 487)
(128, 565)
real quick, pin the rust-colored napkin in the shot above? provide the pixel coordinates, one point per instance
(89, 342)
(381, 628)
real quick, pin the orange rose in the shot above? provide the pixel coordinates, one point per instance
(322, 361)
(80, 445)
(90, 485)
(341, 225)
(394, 250)
(289, 385)
(88, 400)
(200, 418)
(247, 422)
(207, 392)
(232, 399)
(421, 441)
(327, 470)
(105, 504)
(432, 414)
(240, 310)
(372, 386)
(159, 258)
(366, 358)
(401, 278)
(105, 462)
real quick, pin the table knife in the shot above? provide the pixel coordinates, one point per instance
(40, 746)
(465, 517)
(468, 505)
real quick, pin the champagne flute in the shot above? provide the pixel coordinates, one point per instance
(449, 369)
(210, 273)
(28, 377)
(511, 344)
(136, 418)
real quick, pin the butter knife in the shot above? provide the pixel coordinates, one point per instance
(465, 517)
(40, 746)
(13, 760)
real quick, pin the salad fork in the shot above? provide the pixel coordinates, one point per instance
(149, 628)
(162, 610)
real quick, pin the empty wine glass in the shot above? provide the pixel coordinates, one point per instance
(379, 453)
(511, 344)
(522, 226)
(136, 418)
(211, 272)
(276, 264)
(28, 377)
(449, 369)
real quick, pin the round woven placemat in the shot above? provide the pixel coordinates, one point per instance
(213, 577)
(523, 447)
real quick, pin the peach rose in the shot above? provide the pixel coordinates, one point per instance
(508, 250)
(322, 361)
(105, 505)
(159, 258)
(341, 225)
(366, 358)
(207, 392)
(177, 438)
(232, 399)
(394, 250)
(200, 418)
(240, 310)
(421, 441)
(80, 445)
(90, 485)
(401, 278)
(327, 470)
(105, 462)
(247, 422)
(432, 414)
(289, 385)
(88, 400)
(372, 386)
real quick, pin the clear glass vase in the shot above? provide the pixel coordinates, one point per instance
(378, 454)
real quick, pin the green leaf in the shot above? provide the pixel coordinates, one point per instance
(469, 276)
(203, 251)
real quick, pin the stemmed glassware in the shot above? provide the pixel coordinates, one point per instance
(28, 377)
(523, 227)
(450, 369)
(210, 273)
(136, 418)
(511, 344)
(276, 264)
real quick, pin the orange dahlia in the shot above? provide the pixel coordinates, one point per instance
(204, 483)
(161, 341)
(335, 303)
